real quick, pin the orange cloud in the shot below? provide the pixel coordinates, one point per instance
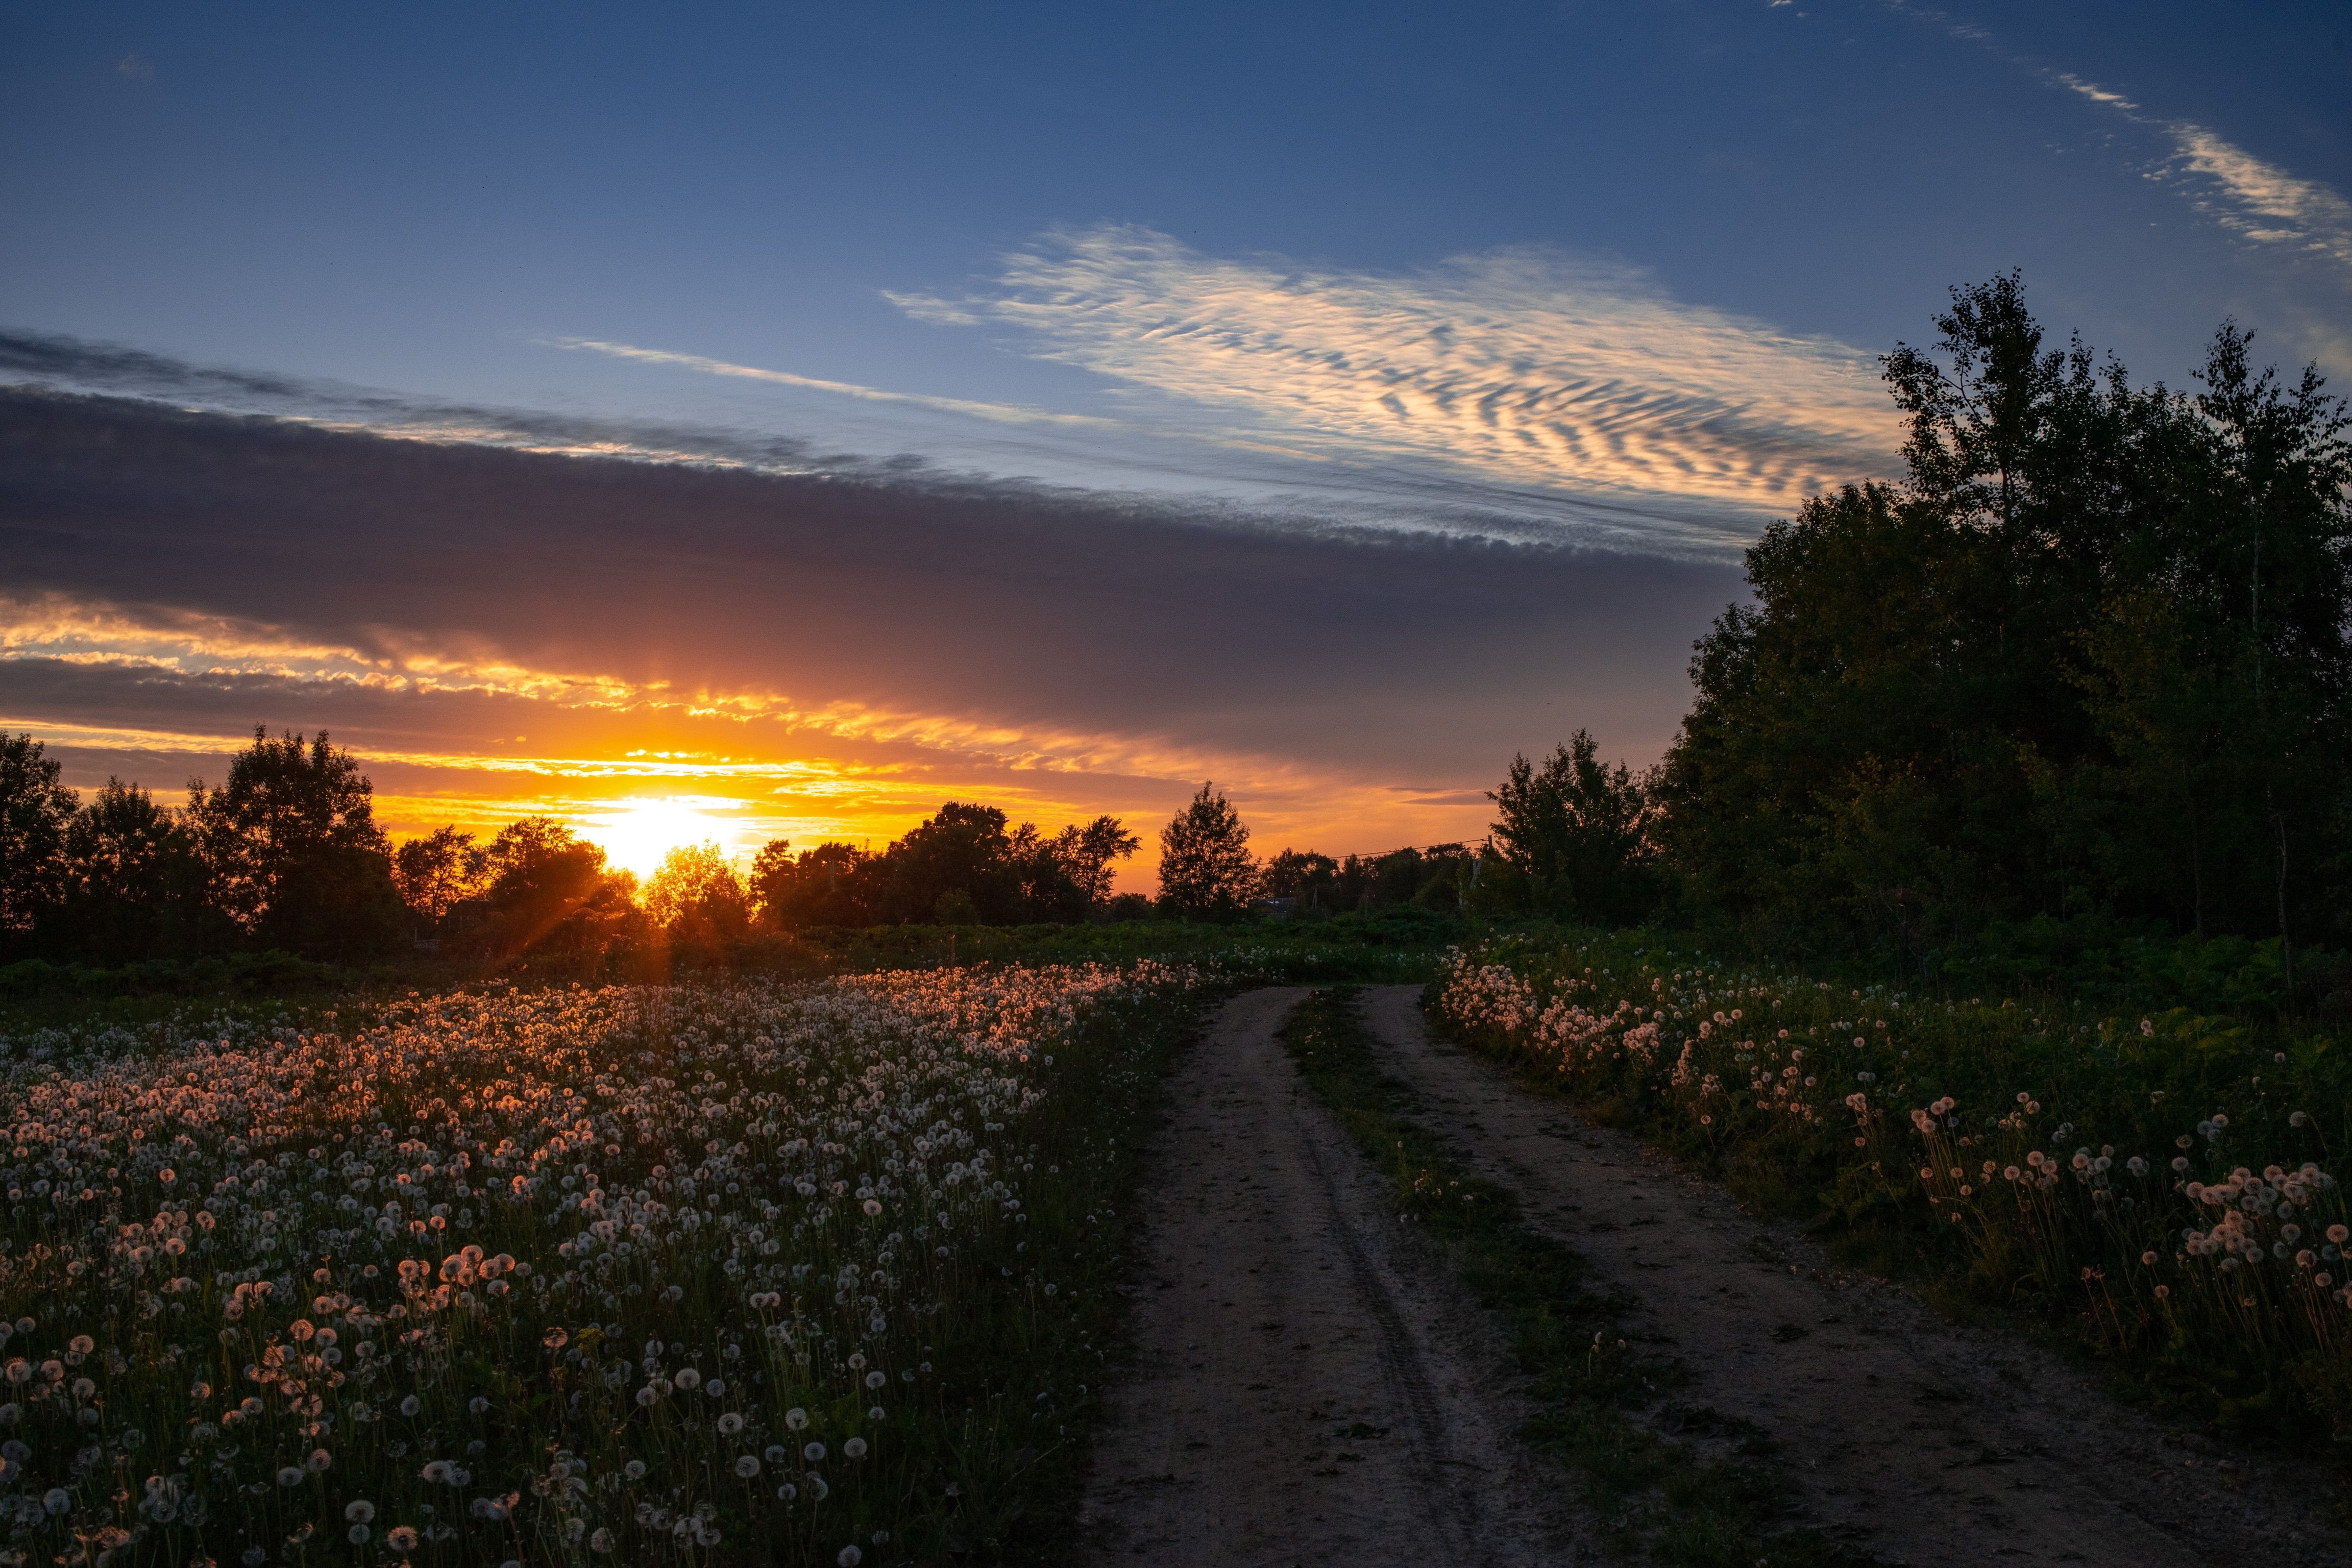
(638, 760)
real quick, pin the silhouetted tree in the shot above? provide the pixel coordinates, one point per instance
(831, 884)
(1083, 857)
(549, 891)
(132, 887)
(1300, 873)
(294, 856)
(33, 811)
(1206, 871)
(962, 848)
(1573, 833)
(440, 871)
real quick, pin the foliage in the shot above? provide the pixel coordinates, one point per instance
(33, 811)
(1085, 856)
(696, 897)
(749, 1274)
(963, 866)
(1303, 876)
(1206, 871)
(292, 850)
(831, 884)
(2163, 1188)
(1406, 944)
(2092, 655)
(1572, 838)
(440, 871)
(285, 854)
(549, 892)
(134, 884)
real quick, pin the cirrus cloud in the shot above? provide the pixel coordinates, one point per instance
(1530, 367)
(2246, 195)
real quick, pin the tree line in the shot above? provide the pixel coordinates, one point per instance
(2091, 657)
(286, 854)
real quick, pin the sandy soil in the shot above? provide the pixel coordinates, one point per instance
(1910, 1437)
(1313, 1387)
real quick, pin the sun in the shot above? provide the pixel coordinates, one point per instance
(636, 837)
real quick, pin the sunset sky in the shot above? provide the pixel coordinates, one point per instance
(740, 422)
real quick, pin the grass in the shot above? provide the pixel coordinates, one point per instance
(1603, 1401)
(1399, 945)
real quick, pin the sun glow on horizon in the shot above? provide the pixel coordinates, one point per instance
(637, 835)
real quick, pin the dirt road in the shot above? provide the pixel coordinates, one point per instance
(1917, 1440)
(1313, 1386)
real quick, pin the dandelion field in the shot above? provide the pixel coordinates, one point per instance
(2164, 1189)
(730, 1273)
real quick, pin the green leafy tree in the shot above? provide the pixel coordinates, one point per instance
(33, 811)
(1206, 871)
(2091, 656)
(1576, 831)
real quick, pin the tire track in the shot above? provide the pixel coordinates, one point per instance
(1312, 1384)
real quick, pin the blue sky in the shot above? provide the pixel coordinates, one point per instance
(1568, 278)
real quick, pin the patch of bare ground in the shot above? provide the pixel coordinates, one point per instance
(1907, 1436)
(1314, 1386)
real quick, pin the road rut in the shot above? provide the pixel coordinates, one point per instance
(1313, 1386)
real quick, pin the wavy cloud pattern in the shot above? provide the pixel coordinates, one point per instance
(1530, 367)
(2240, 192)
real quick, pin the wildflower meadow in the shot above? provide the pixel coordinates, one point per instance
(729, 1273)
(2164, 1188)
